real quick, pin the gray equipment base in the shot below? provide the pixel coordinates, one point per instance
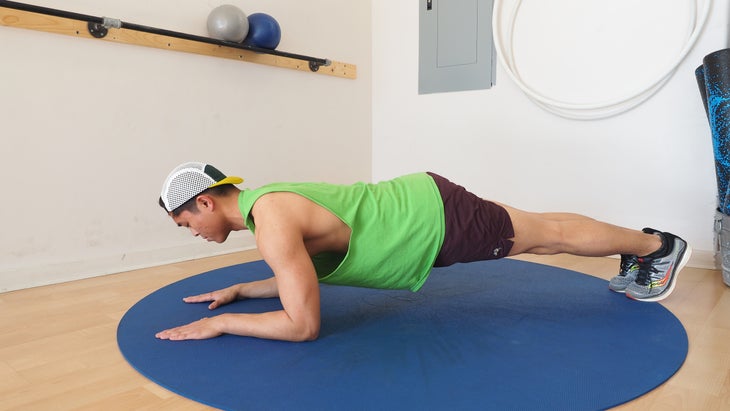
(722, 245)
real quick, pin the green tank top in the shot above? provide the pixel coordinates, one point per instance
(397, 229)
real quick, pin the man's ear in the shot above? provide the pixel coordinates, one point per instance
(205, 202)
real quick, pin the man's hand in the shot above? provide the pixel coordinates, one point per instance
(256, 289)
(218, 298)
(198, 330)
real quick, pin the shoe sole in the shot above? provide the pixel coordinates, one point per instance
(621, 291)
(682, 262)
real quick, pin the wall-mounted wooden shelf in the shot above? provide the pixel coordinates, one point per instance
(21, 15)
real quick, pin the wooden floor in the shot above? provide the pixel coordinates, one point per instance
(58, 346)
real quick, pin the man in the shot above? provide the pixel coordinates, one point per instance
(385, 235)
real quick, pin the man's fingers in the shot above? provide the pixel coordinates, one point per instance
(177, 333)
(163, 335)
(218, 298)
(200, 329)
(200, 298)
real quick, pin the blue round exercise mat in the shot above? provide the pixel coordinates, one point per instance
(502, 334)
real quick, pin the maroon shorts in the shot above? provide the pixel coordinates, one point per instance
(476, 229)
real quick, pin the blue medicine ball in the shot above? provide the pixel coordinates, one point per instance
(263, 31)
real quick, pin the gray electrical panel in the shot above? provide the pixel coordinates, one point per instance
(456, 51)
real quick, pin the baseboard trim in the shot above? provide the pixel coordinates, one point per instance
(703, 259)
(700, 259)
(47, 274)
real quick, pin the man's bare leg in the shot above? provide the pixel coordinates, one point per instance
(650, 260)
(553, 233)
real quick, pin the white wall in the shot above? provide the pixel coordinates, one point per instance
(652, 166)
(91, 128)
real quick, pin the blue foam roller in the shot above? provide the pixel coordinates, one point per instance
(716, 70)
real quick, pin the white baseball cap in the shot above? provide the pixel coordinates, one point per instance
(190, 179)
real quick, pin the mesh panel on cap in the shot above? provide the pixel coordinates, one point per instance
(185, 186)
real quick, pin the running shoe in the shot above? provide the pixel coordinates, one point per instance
(629, 269)
(657, 275)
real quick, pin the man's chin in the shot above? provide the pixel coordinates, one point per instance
(219, 240)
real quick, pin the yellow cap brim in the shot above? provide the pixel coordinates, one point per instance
(228, 180)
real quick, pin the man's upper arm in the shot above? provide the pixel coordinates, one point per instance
(281, 242)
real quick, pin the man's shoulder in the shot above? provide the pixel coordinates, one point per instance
(284, 205)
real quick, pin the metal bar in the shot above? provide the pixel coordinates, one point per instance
(202, 39)
(51, 12)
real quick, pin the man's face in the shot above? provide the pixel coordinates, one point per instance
(205, 223)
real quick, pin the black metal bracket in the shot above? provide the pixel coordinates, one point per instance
(98, 30)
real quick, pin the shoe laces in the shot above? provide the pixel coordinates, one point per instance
(626, 263)
(646, 269)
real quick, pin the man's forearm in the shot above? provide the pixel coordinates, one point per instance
(259, 289)
(275, 325)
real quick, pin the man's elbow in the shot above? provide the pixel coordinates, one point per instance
(311, 336)
(309, 332)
